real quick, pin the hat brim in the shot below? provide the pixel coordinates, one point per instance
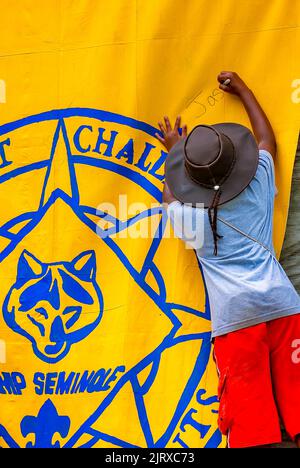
(188, 191)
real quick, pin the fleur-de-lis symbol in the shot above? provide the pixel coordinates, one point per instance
(44, 426)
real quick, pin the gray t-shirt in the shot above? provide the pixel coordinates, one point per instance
(246, 284)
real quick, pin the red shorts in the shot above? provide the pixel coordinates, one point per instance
(259, 370)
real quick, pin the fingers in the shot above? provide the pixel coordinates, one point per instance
(224, 75)
(168, 124)
(177, 123)
(223, 87)
(220, 77)
(166, 129)
(160, 138)
(184, 131)
(162, 128)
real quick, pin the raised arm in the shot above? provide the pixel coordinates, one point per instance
(261, 126)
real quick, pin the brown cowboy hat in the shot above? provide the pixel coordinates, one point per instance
(212, 160)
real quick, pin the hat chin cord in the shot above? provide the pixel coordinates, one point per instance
(213, 217)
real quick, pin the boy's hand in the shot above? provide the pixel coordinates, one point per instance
(236, 85)
(261, 126)
(170, 135)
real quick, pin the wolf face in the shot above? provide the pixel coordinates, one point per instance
(54, 305)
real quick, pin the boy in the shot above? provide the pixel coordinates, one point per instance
(254, 307)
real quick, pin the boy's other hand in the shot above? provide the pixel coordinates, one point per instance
(236, 86)
(170, 135)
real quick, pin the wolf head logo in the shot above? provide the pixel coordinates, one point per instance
(54, 305)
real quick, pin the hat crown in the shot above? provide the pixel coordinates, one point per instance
(203, 146)
(209, 156)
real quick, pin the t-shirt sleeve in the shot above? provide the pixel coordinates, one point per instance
(266, 162)
(188, 223)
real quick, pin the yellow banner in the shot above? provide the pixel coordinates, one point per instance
(104, 323)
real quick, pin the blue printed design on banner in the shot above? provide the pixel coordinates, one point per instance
(44, 426)
(40, 286)
(40, 294)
